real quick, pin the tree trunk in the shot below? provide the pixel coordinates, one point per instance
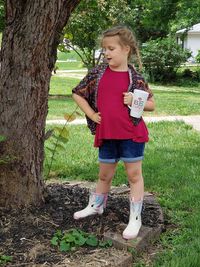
(29, 50)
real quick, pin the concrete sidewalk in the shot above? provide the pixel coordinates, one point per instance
(193, 120)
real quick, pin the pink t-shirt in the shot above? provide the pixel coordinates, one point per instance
(115, 120)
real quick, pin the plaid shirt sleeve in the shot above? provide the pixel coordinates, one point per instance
(86, 86)
(86, 89)
(143, 85)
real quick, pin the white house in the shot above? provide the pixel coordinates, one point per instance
(190, 39)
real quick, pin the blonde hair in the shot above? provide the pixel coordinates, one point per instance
(126, 37)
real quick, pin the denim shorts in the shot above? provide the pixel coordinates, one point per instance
(126, 150)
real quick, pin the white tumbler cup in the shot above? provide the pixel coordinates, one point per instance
(138, 103)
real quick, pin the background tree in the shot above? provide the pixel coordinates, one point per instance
(151, 19)
(87, 23)
(29, 47)
(148, 19)
(187, 14)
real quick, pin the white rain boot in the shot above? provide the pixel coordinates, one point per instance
(96, 205)
(135, 221)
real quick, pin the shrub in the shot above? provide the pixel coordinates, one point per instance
(193, 75)
(197, 58)
(188, 73)
(162, 57)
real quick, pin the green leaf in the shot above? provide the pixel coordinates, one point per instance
(105, 244)
(4, 258)
(60, 138)
(2, 138)
(80, 240)
(2, 161)
(65, 133)
(54, 241)
(76, 232)
(50, 149)
(69, 117)
(92, 241)
(110, 243)
(64, 246)
(62, 131)
(58, 129)
(61, 147)
(59, 234)
(83, 233)
(69, 238)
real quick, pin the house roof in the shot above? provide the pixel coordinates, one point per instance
(194, 29)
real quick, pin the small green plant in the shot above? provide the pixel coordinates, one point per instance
(60, 136)
(74, 238)
(4, 259)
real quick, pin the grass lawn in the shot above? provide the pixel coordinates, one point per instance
(64, 56)
(171, 169)
(69, 65)
(170, 100)
(72, 61)
(173, 100)
(62, 85)
(59, 107)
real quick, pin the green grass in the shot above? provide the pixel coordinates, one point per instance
(170, 100)
(68, 56)
(75, 164)
(59, 107)
(173, 172)
(62, 85)
(185, 102)
(174, 88)
(69, 65)
(73, 61)
(171, 169)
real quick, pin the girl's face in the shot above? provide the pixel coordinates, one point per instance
(115, 53)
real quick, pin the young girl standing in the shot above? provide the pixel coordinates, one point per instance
(104, 96)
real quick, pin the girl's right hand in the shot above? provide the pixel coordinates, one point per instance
(96, 117)
(128, 98)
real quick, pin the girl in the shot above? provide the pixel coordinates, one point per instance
(104, 97)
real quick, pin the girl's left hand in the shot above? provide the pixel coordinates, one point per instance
(128, 98)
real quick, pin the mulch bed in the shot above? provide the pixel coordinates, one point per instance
(25, 235)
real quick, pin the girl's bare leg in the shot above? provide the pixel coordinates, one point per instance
(134, 173)
(106, 173)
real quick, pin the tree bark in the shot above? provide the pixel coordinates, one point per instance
(29, 51)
